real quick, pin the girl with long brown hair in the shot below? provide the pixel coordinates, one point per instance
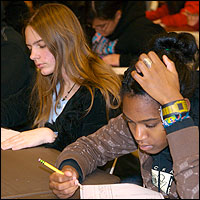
(75, 91)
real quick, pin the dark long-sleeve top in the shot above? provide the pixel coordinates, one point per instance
(72, 123)
(17, 75)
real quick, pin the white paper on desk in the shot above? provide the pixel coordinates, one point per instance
(7, 133)
(118, 191)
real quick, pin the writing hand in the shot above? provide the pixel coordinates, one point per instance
(29, 138)
(65, 185)
(158, 21)
(159, 81)
(112, 59)
(192, 19)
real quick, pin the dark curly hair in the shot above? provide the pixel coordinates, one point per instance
(182, 49)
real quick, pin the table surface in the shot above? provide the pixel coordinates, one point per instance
(182, 28)
(119, 70)
(23, 177)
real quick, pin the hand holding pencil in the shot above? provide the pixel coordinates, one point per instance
(63, 186)
(53, 168)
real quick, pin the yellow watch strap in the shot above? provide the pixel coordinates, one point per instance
(179, 106)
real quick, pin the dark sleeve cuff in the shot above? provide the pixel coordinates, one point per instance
(125, 60)
(50, 125)
(180, 125)
(74, 164)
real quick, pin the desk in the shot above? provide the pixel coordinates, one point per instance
(182, 28)
(119, 70)
(23, 177)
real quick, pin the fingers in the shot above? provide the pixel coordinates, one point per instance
(14, 147)
(141, 66)
(55, 177)
(62, 182)
(151, 60)
(158, 65)
(172, 68)
(19, 146)
(63, 190)
(15, 143)
(170, 64)
(160, 80)
(9, 143)
(112, 59)
(137, 77)
(147, 62)
(63, 186)
(24, 140)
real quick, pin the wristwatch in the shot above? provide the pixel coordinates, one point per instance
(174, 108)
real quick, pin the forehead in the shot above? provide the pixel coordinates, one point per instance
(31, 35)
(98, 21)
(140, 107)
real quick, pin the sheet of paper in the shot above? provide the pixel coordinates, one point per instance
(7, 133)
(118, 191)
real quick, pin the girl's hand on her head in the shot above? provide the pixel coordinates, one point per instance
(159, 81)
(64, 186)
(29, 138)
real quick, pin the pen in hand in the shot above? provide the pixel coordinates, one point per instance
(54, 168)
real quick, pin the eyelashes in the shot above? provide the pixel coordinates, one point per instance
(151, 126)
(132, 124)
(39, 46)
(42, 46)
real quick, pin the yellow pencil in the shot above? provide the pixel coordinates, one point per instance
(53, 168)
(113, 166)
(50, 166)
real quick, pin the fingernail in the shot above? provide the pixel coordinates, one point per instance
(76, 182)
(133, 73)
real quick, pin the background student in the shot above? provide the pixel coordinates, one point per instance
(122, 30)
(176, 14)
(166, 140)
(75, 91)
(15, 14)
(17, 78)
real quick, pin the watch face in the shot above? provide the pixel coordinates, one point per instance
(177, 107)
(180, 106)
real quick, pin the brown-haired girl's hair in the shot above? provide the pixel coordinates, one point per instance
(62, 33)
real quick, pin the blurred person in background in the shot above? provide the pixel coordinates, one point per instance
(176, 14)
(17, 78)
(16, 12)
(122, 30)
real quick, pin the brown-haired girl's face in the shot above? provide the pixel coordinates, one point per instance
(142, 115)
(40, 54)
